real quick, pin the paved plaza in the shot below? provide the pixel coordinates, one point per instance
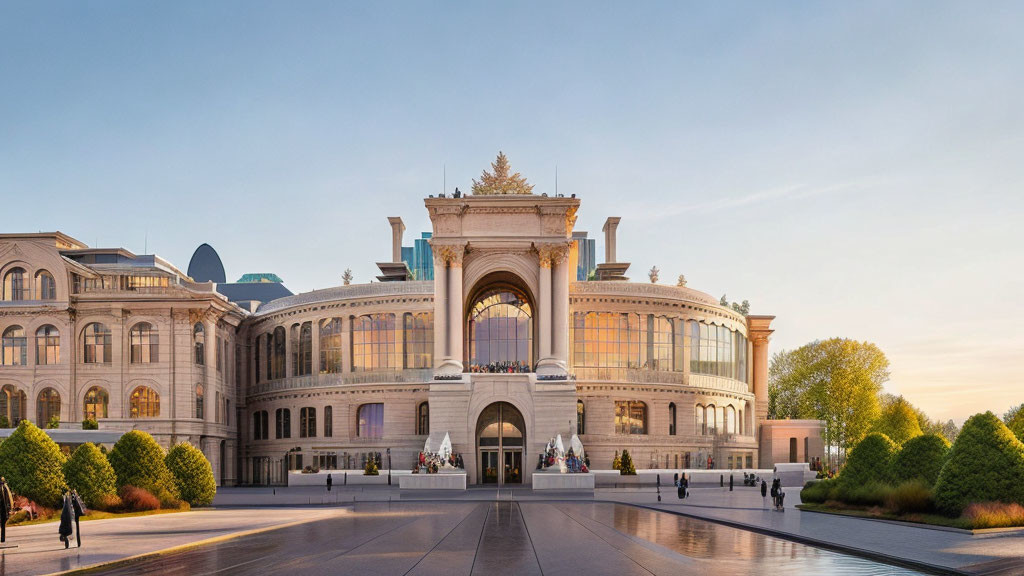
(484, 531)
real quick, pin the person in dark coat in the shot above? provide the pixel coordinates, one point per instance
(764, 489)
(79, 509)
(6, 505)
(330, 481)
(66, 518)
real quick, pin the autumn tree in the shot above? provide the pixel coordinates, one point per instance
(897, 419)
(498, 181)
(346, 276)
(1014, 419)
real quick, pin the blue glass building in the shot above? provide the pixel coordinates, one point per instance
(420, 258)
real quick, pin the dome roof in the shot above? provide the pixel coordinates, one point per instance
(205, 265)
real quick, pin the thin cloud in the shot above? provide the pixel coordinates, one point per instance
(793, 192)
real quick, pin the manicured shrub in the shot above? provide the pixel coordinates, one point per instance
(818, 492)
(626, 467)
(31, 462)
(89, 472)
(994, 515)
(108, 503)
(54, 422)
(985, 464)
(371, 468)
(920, 458)
(134, 499)
(193, 474)
(139, 461)
(870, 494)
(4, 422)
(90, 424)
(616, 461)
(909, 497)
(870, 462)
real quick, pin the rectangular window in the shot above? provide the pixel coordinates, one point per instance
(630, 417)
(373, 343)
(419, 340)
(331, 350)
(328, 422)
(307, 423)
(284, 423)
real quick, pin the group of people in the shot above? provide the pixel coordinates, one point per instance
(72, 510)
(510, 367)
(431, 462)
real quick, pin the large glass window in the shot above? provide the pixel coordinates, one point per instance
(279, 352)
(46, 288)
(717, 351)
(47, 406)
(256, 360)
(659, 343)
(331, 351)
(371, 421)
(607, 341)
(97, 349)
(423, 419)
(307, 423)
(47, 345)
(284, 423)
(14, 347)
(145, 343)
(144, 403)
(711, 416)
(419, 340)
(328, 421)
(12, 405)
(94, 405)
(373, 343)
(16, 286)
(302, 349)
(702, 425)
(199, 343)
(269, 347)
(630, 417)
(501, 331)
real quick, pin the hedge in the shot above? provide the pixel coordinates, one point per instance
(139, 461)
(985, 464)
(89, 472)
(193, 475)
(921, 459)
(31, 461)
(870, 462)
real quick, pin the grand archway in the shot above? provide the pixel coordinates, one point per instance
(499, 327)
(500, 441)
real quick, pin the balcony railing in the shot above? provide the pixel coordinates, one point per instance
(638, 376)
(325, 380)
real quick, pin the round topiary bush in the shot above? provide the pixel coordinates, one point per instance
(870, 462)
(193, 474)
(31, 461)
(921, 458)
(626, 468)
(138, 461)
(89, 472)
(985, 464)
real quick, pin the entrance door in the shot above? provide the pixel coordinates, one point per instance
(501, 438)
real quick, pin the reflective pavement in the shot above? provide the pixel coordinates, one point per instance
(453, 538)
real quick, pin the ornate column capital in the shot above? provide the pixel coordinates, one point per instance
(449, 254)
(552, 253)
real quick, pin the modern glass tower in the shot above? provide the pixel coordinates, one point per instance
(420, 258)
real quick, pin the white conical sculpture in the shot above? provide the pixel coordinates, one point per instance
(426, 446)
(559, 447)
(577, 446)
(446, 447)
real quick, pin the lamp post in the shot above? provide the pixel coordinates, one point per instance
(389, 466)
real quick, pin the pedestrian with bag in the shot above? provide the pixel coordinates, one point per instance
(67, 514)
(79, 509)
(6, 505)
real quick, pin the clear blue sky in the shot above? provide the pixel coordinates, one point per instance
(856, 169)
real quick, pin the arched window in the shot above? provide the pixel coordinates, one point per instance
(501, 330)
(423, 419)
(95, 403)
(47, 345)
(702, 424)
(12, 405)
(144, 403)
(419, 340)
(373, 343)
(14, 347)
(46, 288)
(47, 406)
(671, 418)
(302, 349)
(581, 418)
(630, 417)
(371, 421)
(730, 420)
(269, 349)
(331, 352)
(711, 415)
(200, 402)
(96, 340)
(284, 423)
(279, 352)
(145, 344)
(307, 423)
(16, 286)
(199, 343)
(256, 358)
(328, 421)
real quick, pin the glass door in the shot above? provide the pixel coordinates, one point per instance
(513, 467)
(488, 466)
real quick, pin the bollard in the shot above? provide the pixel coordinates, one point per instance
(730, 482)
(721, 480)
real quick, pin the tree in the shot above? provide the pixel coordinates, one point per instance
(616, 461)
(681, 281)
(54, 422)
(653, 274)
(31, 461)
(346, 276)
(626, 467)
(724, 301)
(985, 464)
(138, 461)
(193, 475)
(499, 181)
(870, 462)
(89, 472)
(1014, 419)
(921, 458)
(837, 381)
(743, 308)
(898, 420)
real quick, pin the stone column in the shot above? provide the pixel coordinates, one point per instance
(759, 331)
(440, 311)
(346, 344)
(209, 386)
(454, 359)
(544, 310)
(314, 369)
(448, 307)
(560, 307)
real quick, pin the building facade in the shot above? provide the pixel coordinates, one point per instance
(502, 350)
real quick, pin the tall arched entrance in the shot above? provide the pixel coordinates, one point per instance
(500, 441)
(499, 326)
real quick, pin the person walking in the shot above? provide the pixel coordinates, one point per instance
(79, 509)
(66, 517)
(764, 492)
(330, 481)
(6, 505)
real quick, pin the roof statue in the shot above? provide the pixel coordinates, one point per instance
(499, 182)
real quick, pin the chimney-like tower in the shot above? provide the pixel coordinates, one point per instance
(611, 269)
(396, 270)
(397, 230)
